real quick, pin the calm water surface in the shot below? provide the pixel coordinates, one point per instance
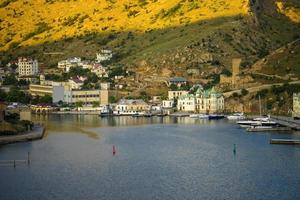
(157, 158)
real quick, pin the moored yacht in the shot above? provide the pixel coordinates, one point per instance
(236, 116)
(256, 122)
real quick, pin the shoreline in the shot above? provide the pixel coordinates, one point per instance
(37, 133)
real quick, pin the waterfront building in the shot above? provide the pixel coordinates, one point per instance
(203, 101)
(172, 95)
(27, 67)
(136, 105)
(40, 90)
(166, 104)
(67, 93)
(186, 103)
(209, 101)
(296, 105)
(87, 97)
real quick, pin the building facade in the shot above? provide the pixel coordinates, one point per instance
(127, 105)
(186, 103)
(296, 105)
(167, 104)
(27, 67)
(104, 55)
(203, 101)
(172, 95)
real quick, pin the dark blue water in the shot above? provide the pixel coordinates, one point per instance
(155, 159)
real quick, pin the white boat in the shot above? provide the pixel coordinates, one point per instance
(256, 122)
(236, 116)
(203, 116)
(126, 113)
(199, 116)
(194, 116)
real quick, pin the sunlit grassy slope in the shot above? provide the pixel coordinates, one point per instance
(33, 22)
(291, 9)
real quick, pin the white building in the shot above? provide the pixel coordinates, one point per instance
(166, 104)
(87, 97)
(172, 95)
(27, 67)
(104, 55)
(131, 106)
(66, 65)
(296, 105)
(186, 103)
(77, 82)
(203, 101)
(99, 70)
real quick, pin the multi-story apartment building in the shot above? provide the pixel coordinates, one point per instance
(27, 67)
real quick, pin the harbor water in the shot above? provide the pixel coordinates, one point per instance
(88, 157)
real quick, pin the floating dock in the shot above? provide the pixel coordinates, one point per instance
(285, 141)
(288, 122)
(254, 129)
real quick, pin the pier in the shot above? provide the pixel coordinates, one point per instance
(288, 122)
(37, 133)
(285, 141)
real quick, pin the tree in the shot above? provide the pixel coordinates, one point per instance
(10, 80)
(16, 95)
(23, 82)
(3, 95)
(96, 104)
(79, 104)
(173, 87)
(112, 99)
(244, 92)
(46, 99)
(235, 95)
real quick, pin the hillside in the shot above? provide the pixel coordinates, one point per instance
(155, 39)
(35, 22)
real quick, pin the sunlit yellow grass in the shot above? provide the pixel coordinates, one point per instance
(290, 12)
(105, 16)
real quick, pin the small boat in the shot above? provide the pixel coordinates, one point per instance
(203, 116)
(139, 114)
(161, 115)
(106, 112)
(148, 115)
(194, 116)
(236, 116)
(215, 116)
(255, 122)
(199, 116)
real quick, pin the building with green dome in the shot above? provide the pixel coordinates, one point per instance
(202, 101)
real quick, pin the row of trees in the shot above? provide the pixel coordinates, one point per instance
(17, 95)
(11, 80)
